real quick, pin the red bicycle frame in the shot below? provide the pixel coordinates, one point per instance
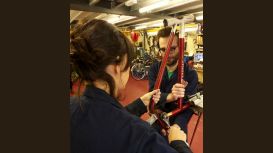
(180, 76)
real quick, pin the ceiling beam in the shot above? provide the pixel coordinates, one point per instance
(119, 11)
(134, 21)
(173, 13)
(77, 15)
(80, 2)
(191, 11)
(87, 8)
(143, 3)
(181, 8)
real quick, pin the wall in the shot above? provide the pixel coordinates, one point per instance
(190, 44)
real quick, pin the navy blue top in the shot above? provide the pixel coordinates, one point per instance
(102, 125)
(166, 85)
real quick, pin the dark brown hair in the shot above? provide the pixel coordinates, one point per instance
(165, 32)
(95, 45)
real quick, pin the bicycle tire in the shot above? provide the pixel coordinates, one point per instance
(135, 74)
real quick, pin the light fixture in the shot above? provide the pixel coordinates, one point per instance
(130, 2)
(176, 3)
(102, 15)
(157, 24)
(113, 19)
(165, 4)
(191, 29)
(199, 18)
(74, 17)
(154, 33)
(152, 24)
(93, 2)
(121, 18)
(153, 6)
(140, 27)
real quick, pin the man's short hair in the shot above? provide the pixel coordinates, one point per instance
(164, 32)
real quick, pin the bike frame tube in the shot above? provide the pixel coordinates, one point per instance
(180, 68)
(162, 67)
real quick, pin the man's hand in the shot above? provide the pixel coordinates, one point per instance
(175, 133)
(178, 91)
(155, 94)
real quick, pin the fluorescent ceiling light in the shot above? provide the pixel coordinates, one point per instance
(192, 29)
(113, 19)
(157, 24)
(153, 6)
(74, 17)
(152, 33)
(93, 2)
(164, 4)
(198, 18)
(140, 27)
(176, 3)
(130, 2)
(103, 15)
(118, 19)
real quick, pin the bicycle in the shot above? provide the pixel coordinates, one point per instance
(141, 66)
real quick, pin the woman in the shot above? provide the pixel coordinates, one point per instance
(99, 123)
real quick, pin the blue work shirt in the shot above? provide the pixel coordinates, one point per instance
(100, 124)
(167, 83)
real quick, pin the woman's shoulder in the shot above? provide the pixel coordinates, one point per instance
(119, 128)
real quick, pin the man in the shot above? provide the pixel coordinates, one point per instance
(169, 83)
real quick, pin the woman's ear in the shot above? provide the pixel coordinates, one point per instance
(111, 69)
(117, 69)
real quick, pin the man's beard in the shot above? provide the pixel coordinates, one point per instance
(172, 62)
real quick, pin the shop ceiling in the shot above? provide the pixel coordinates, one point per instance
(133, 12)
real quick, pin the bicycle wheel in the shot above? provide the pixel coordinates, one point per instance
(138, 71)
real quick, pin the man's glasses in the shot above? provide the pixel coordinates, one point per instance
(164, 49)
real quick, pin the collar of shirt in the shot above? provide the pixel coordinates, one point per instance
(100, 95)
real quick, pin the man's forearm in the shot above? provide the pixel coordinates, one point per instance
(165, 98)
(170, 98)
